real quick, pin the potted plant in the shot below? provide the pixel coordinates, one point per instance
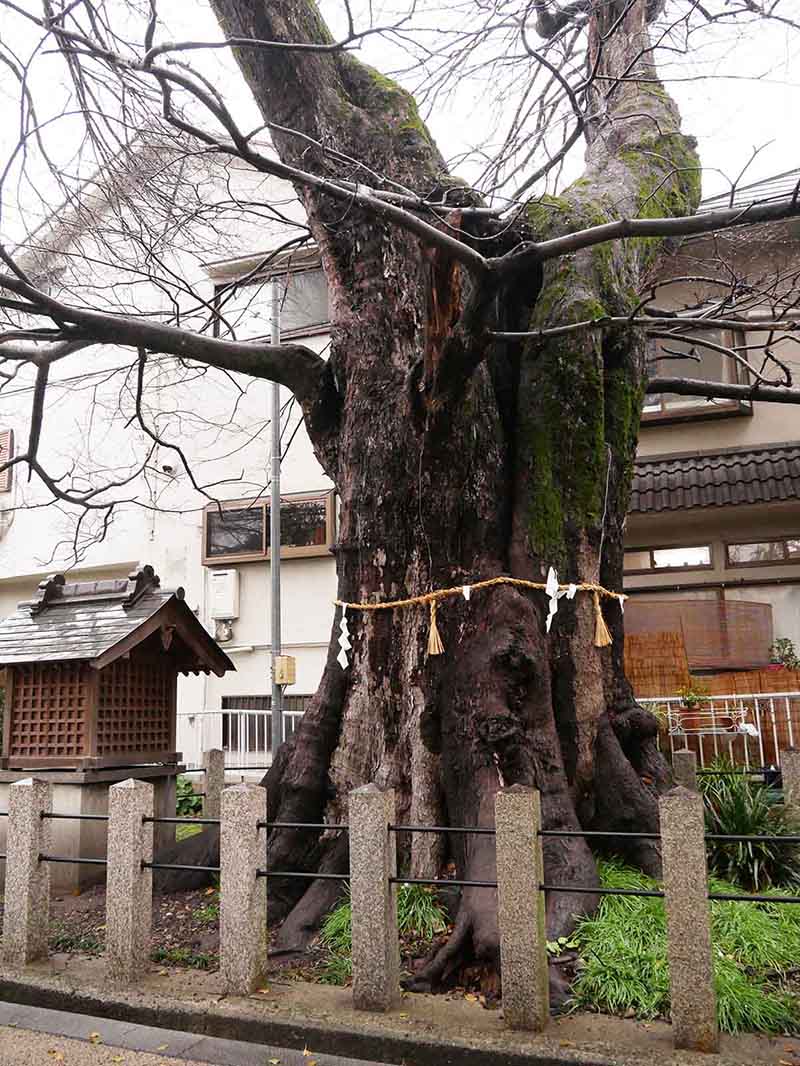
(783, 656)
(693, 696)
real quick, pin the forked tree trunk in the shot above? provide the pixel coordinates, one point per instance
(454, 466)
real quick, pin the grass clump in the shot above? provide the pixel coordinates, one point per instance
(623, 950)
(66, 940)
(196, 960)
(207, 914)
(419, 915)
(738, 806)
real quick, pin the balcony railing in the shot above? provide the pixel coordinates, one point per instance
(244, 735)
(750, 729)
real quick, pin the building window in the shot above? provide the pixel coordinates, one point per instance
(6, 454)
(239, 530)
(761, 552)
(243, 306)
(685, 358)
(641, 560)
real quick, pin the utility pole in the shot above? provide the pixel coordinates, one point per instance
(275, 533)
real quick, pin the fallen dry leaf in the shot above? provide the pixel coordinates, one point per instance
(468, 996)
(58, 1056)
(162, 1047)
(274, 1062)
(95, 1038)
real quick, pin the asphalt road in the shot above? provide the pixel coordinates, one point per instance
(33, 1036)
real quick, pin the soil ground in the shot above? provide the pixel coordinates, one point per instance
(433, 1022)
(185, 935)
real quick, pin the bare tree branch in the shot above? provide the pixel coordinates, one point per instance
(718, 390)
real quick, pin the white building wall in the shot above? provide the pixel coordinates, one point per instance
(221, 423)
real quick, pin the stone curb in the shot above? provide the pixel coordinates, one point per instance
(296, 1033)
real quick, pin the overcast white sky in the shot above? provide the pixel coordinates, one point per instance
(737, 92)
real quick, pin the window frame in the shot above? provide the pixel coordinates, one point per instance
(283, 266)
(287, 551)
(782, 539)
(692, 409)
(653, 569)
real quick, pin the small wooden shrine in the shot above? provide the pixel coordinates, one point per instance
(92, 671)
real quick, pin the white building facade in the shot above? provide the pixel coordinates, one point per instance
(199, 516)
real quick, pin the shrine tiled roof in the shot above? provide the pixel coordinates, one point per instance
(95, 621)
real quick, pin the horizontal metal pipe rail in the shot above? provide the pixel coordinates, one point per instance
(77, 860)
(301, 873)
(477, 830)
(178, 866)
(752, 899)
(146, 820)
(76, 817)
(441, 881)
(589, 890)
(597, 833)
(300, 825)
(753, 839)
(759, 772)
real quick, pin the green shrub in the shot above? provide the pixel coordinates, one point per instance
(336, 928)
(419, 914)
(188, 802)
(623, 949)
(738, 806)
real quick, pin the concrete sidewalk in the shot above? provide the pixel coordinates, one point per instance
(36, 1035)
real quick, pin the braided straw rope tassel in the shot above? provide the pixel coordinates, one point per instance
(602, 637)
(435, 646)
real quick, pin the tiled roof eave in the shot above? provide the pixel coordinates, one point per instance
(722, 479)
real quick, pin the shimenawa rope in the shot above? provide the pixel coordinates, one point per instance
(602, 636)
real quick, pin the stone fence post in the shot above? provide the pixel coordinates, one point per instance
(691, 974)
(373, 899)
(790, 775)
(243, 894)
(27, 894)
(129, 884)
(214, 766)
(520, 902)
(684, 768)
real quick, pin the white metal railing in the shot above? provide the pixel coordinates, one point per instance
(244, 735)
(751, 729)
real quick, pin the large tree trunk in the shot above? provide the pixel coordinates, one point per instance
(447, 477)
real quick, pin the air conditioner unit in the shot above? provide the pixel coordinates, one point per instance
(224, 597)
